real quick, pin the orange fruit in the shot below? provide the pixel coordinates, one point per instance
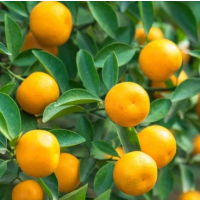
(67, 172)
(36, 92)
(196, 145)
(159, 143)
(37, 153)
(120, 152)
(190, 195)
(32, 43)
(160, 59)
(176, 81)
(154, 34)
(198, 107)
(127, 104)
(27, 190)
(51, 23)
(135, 173)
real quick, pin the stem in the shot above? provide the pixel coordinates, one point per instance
(6, 70)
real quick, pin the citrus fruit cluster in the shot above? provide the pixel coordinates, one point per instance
(50, 27)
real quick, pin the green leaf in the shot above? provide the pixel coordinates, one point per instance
(187, 178)
(84, 17)
(9, 117)
(52, 112)
(195, 159)
(194, 53)
(110, 71)
(87, 71)
(182, 17)
(165, 184)
(4, 50)
(158, 110)
(102, 11)
(67, 138)
(30, 5)
(77, 96)
(55, 67)
(146, 14)
(3, 166)
(13, 37)
(73, 7)
(25, 59)
(104, 178)
(98, 129)
(16, 6)
(50, 186)
(29, 122)
(87, 165)
(128, 138)
(84, 41)
(124, 54)
(104, 196)
(78, 194)
(186, 89)
(7, 89)
(66, 54)
(86, 130)
(105, 147)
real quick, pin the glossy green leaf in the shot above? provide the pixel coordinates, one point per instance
(9, 117)
(146, 14)
(104, 178)
(79, 194)
(29, 122)
(86, 130)
(4, 50)
(87, 165)
(102, 11)
(110, 71)
(13, 142)
(30, 5)
(55, 67)
(16, 6)
(158, 110)
(124, 54)
(66, 54)
(98, 129)
(67, 138)
(104, 196)
(194, 53)
(105, 147)
(3, 144)
(25, 59)
(13, 37)
(84, 41)
(73, 7)
(52, 112)
(165, 184)
(126, 33)
(84, 17)
(195, 159)
(183, 16)
(3, 167)
(128, 138)
(187, 178)
(186, 89)
(8, 88)
(87, 71)
(50, 186)
(77, 96)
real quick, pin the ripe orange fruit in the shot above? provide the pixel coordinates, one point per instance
(36, 92)
(196, 145)
(127, 104)
(159, 143)
(38, 153)
(154, 34)
(67, 172)
(176, 81)
(135, 173)
(32, 43)
(160, 59)
(120, 152)
(190, 195)
(51, 23)
(27, 190)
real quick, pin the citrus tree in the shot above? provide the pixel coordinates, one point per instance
(99, 100)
